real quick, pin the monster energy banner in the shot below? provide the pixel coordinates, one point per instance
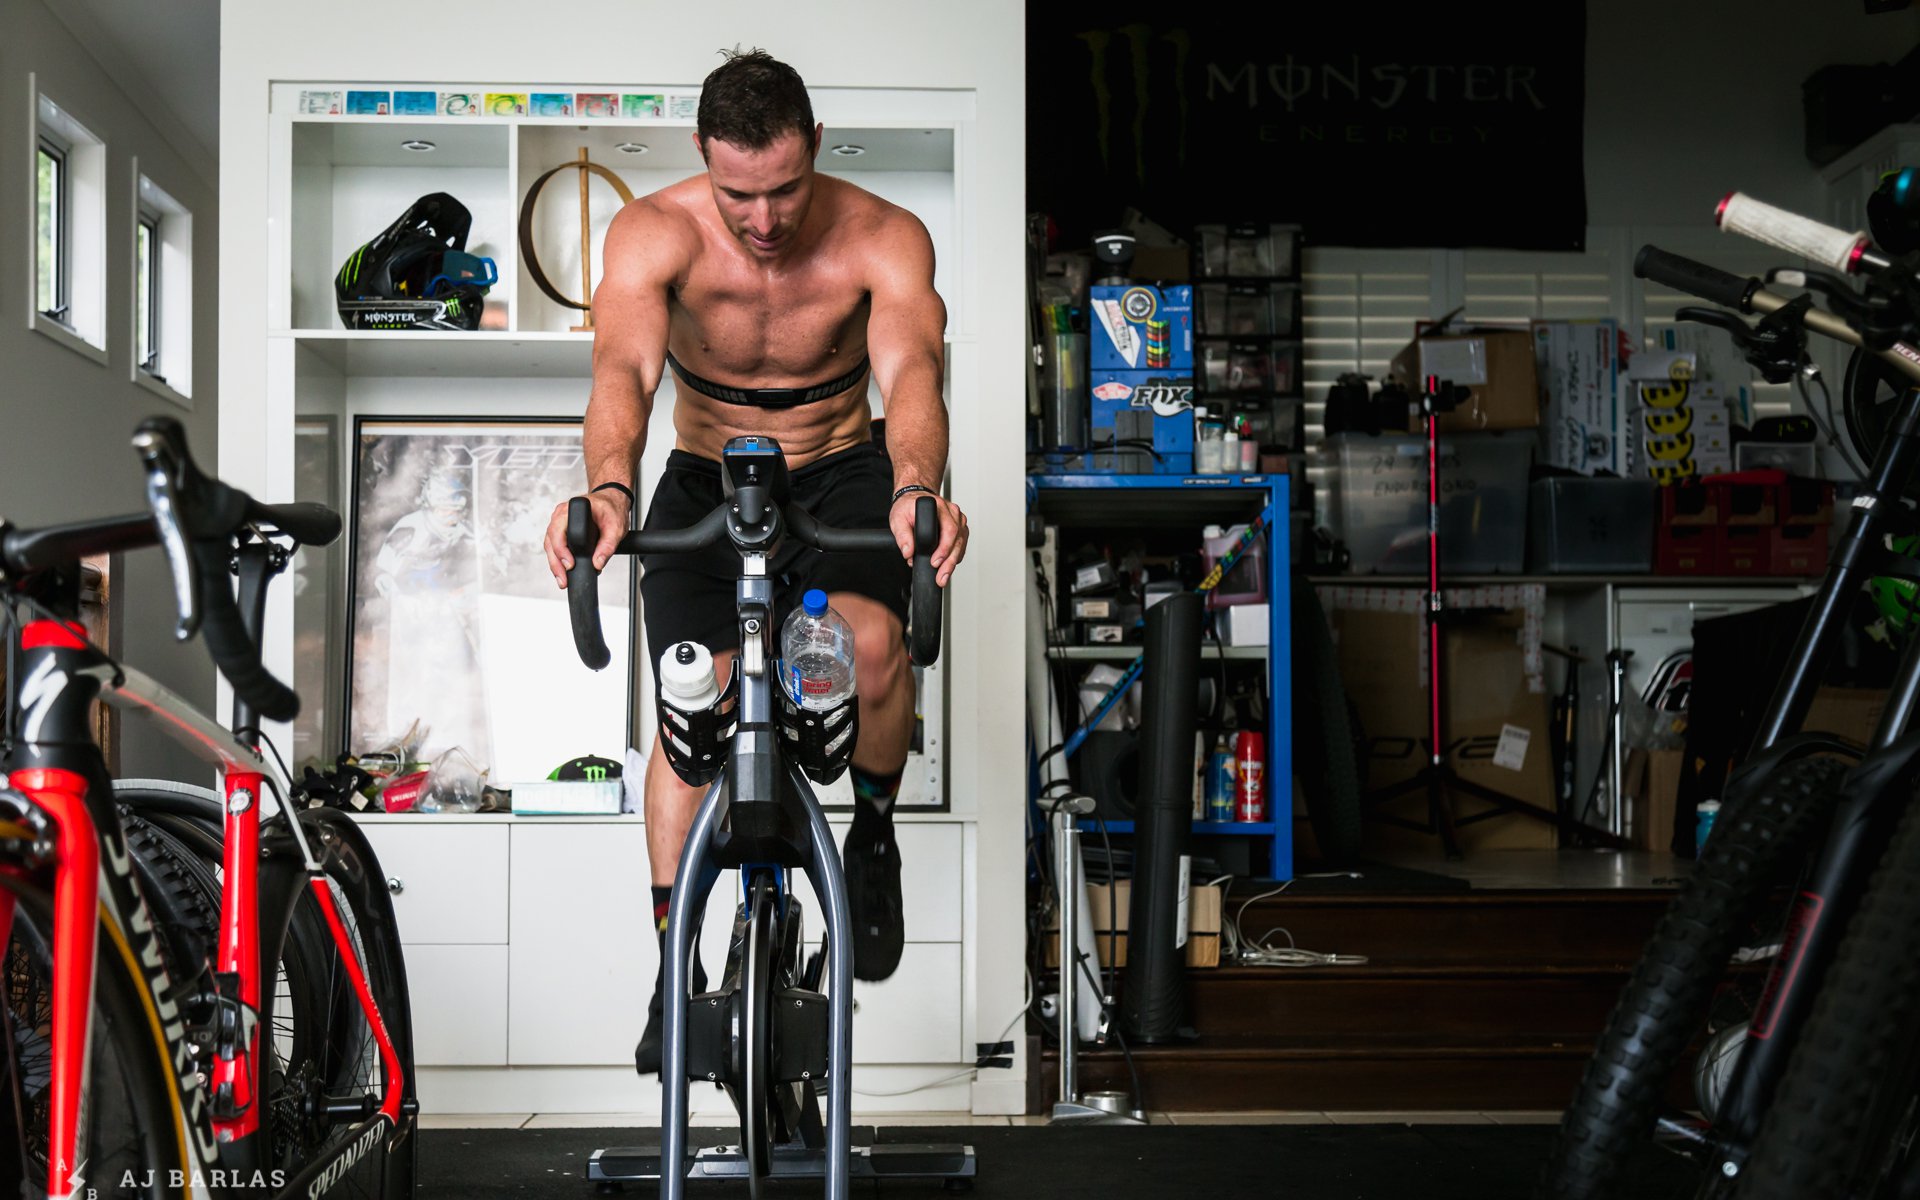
(1369, 125)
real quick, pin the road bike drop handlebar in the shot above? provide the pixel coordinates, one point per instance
(195, 517)
(583, 583)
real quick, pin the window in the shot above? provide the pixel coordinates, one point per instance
(50, 228)
(69, 231)
(162, 291)
(146, 294)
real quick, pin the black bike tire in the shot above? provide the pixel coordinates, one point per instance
(1327, 756)
(347, 1042)
(126, 1045)
(182, 891)
(1664, 1003)
(757, 992)
(1853, 1063)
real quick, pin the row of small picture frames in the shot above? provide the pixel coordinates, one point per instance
(353, 102)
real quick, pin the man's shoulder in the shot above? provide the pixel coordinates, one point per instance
(657, 228)
(879, 228)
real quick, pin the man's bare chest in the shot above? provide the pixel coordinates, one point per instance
(745, 324)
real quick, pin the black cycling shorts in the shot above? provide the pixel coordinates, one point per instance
(691, 597)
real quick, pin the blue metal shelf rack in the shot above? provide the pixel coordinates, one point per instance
(1197, 500)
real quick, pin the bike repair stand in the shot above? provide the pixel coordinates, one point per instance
(1438, 778)
(837, 1160)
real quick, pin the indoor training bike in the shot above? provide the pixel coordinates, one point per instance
(768, 1036)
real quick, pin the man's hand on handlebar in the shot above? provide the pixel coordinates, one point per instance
(610, 516)
(953, 532)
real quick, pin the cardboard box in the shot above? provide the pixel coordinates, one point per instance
(1496, 728)
(1497, 365)
(1677, 425)
(1848, 713)
(1244, 625)
(1652, 785)
(1146, 406)
(1141, 329)
(1579, 369)
(1203, 925)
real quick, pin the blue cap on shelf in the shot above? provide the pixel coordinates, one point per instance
(815, 602)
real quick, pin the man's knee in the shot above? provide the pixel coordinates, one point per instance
(879, 653)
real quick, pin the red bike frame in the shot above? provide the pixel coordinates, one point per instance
(216, 1120)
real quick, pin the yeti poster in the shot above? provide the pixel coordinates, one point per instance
(457, 628)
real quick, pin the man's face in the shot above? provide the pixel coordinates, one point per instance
(763, 195)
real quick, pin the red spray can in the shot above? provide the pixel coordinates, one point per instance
(1250, 762)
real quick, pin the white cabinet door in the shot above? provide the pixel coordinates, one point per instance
(913, 1017)
(449, 881)
(459, 1005)
(584, 953)
(930, 892)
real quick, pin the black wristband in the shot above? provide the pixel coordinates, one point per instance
(909, 490)
(622, 488)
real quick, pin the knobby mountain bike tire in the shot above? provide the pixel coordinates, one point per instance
(1664, 1004)
(1328, 757)
(1842, 1120)
(132, 1141)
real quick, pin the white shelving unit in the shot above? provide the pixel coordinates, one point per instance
(528, 939)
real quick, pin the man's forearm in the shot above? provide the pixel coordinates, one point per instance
(917, 429)
(613, 437)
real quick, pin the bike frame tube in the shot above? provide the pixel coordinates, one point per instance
(236, 1075)
(62, 795)
(390, 1059)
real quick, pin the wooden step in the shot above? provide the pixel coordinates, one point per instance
(1479, 927)
(1387, 1073)
(1553, 1002)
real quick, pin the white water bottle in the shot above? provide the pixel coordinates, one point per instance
(686, 676)
(816, 654)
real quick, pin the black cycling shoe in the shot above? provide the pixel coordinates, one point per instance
(646, 1055)
(873, 893)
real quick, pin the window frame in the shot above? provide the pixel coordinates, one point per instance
(147, 220)
(60, 153)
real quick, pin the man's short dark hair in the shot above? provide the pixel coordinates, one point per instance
(752, 100)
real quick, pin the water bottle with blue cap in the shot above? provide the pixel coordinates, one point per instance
(816, 653)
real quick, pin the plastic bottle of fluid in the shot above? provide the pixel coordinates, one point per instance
(686, 676)
(816, 654)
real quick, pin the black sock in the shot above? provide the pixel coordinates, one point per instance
(877, 789)
(660, 897)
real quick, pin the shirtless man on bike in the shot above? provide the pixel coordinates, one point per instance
(772, 293)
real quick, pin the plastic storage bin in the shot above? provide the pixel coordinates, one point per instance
(1592, 526)
(1378, 501)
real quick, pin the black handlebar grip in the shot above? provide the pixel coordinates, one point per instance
(583, 585)
(1695, 278)
(923, 626)
(233, 651)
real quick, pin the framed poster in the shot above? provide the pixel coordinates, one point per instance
(455, 623)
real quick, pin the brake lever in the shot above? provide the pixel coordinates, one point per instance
(163, 498)
(1775, 346)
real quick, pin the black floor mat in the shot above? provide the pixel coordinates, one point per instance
(1320, 1162)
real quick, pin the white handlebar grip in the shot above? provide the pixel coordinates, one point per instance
(1823, 244)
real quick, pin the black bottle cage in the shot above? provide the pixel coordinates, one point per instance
(821, 742)
(696, 741)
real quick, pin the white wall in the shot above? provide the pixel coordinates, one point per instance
(860, 44)
(66, 419)
(1687, 102)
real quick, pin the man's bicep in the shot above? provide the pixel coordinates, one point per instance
(630, 314)
(908, 319)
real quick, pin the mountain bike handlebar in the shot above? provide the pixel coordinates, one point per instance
(583, 582)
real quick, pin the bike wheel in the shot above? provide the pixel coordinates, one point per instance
(758, 986)
(130, 1144)
(1663, 1006)
(325, 1071)
(1843, 1119)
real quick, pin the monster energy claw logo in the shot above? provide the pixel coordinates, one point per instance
(595, 774)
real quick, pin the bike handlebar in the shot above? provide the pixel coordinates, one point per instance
(583, 581)
(195, 517)
(1835, 249)
(1695, 278)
